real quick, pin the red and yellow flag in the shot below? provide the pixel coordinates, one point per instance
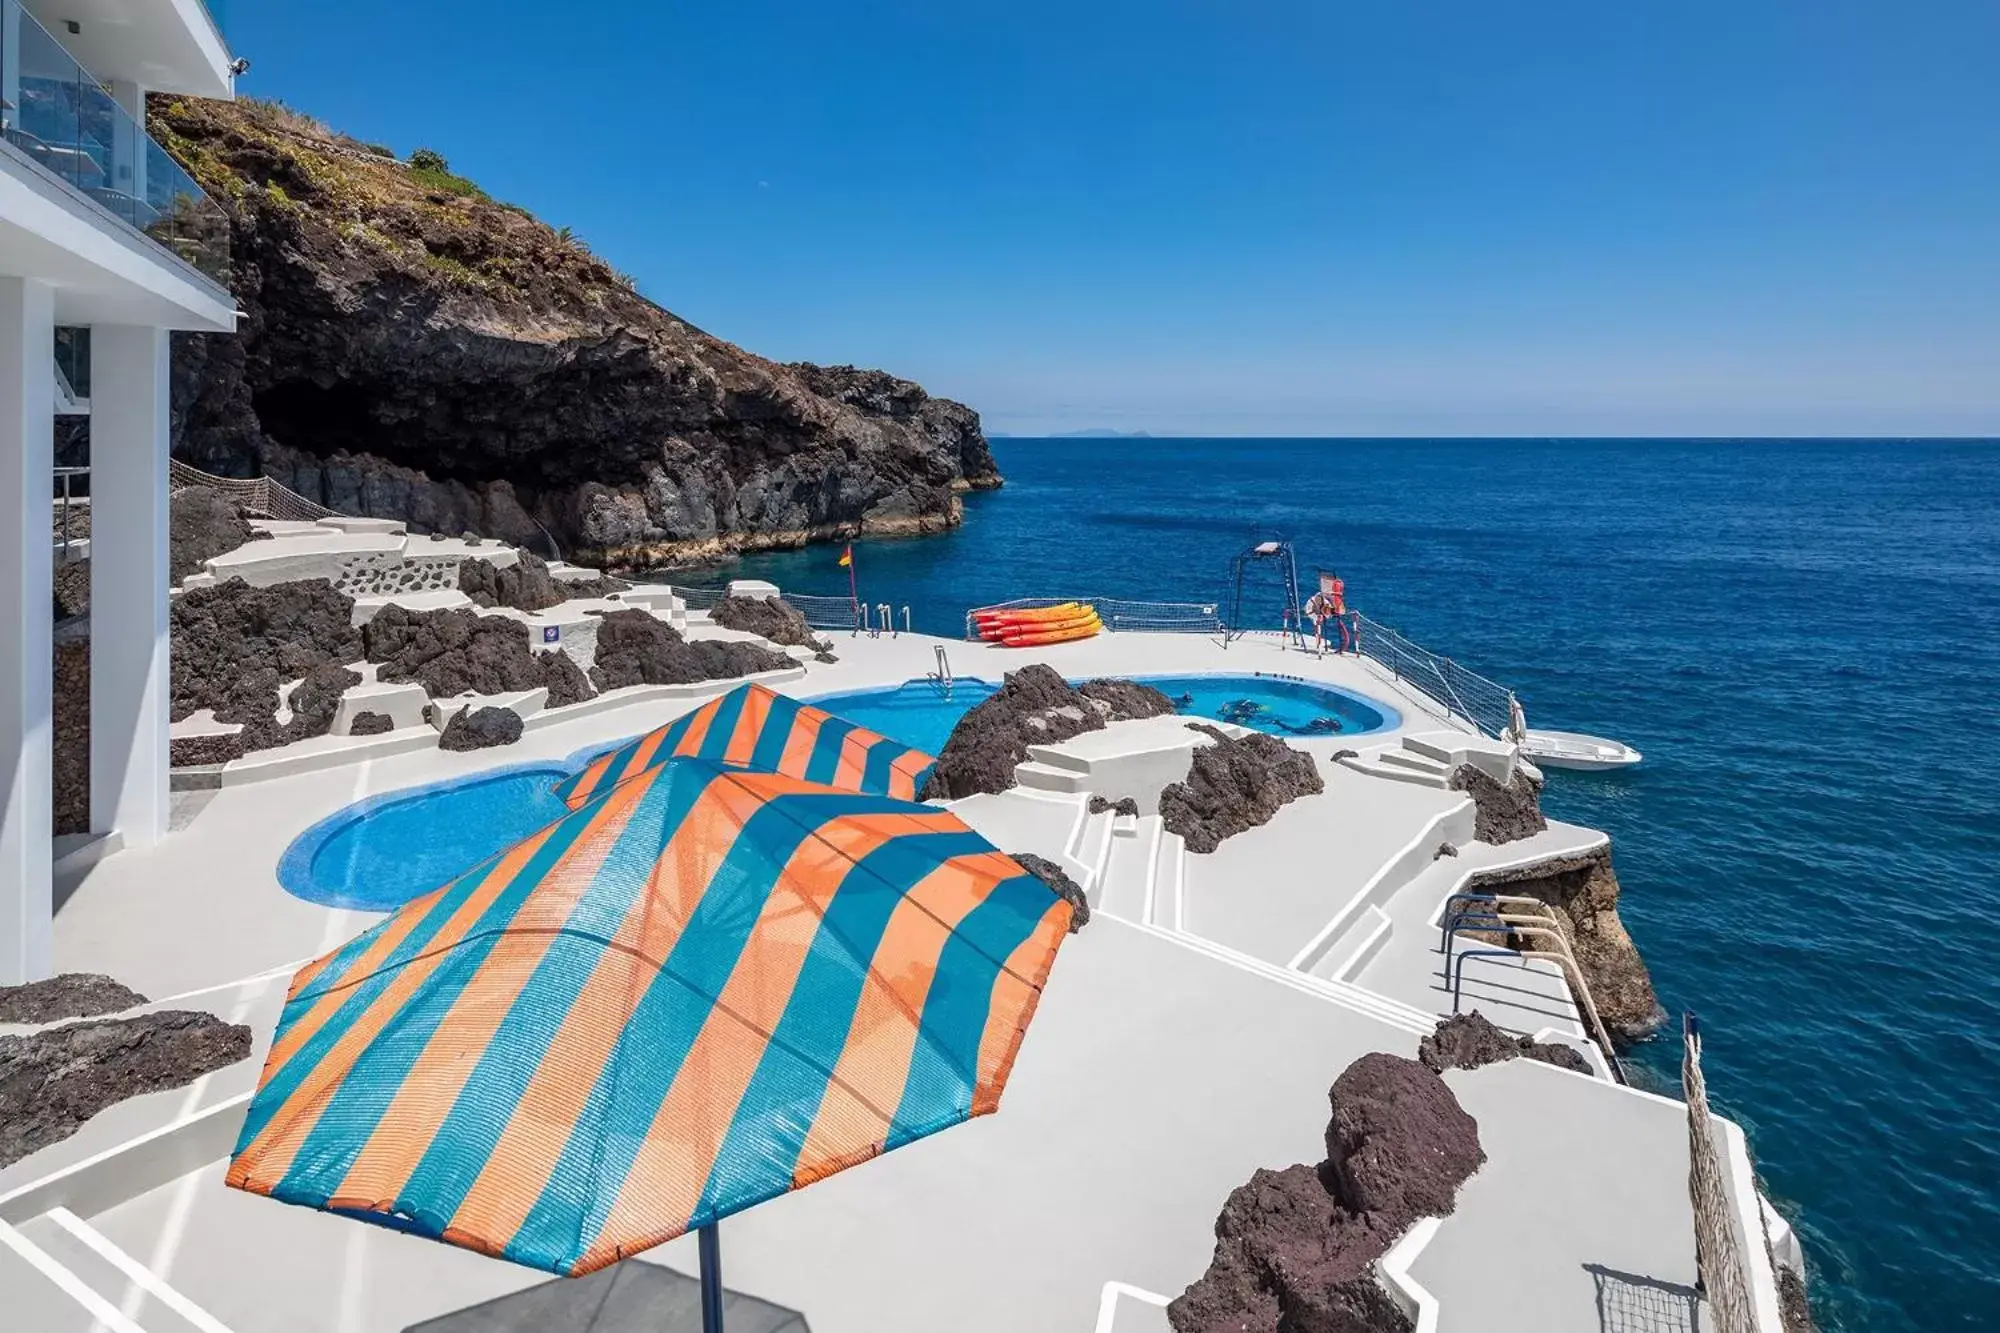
(847, 557)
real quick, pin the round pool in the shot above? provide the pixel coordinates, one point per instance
(377, 854)
(918, 713)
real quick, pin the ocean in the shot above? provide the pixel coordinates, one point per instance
(1803, 638)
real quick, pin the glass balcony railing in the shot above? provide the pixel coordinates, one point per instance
(65, 120)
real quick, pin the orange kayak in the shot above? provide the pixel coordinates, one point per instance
(1082, 629)
(1038, 626)
(1053, 636)
(1032, 616)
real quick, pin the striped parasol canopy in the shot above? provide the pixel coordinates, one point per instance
(758, 728)
(697, 992)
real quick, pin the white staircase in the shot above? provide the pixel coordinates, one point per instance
(61, 1275)
(1047, 768)
(1430, 759)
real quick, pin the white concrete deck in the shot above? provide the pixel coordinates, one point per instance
(1161, 1069)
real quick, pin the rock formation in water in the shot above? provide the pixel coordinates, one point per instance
(1034, 706)
(1584, 891)
(1295, 1250)
(1471, 1041)
(413, 349)
(1235, 785)
(54, 1079)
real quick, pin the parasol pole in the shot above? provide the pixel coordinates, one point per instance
(711, 1279)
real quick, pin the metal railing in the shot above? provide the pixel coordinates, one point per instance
(259, 497)
(68, 123)
(1487, 705)
(67, 537)
(1119, 614)
(1528, 918)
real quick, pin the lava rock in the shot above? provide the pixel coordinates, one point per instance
(72, 583)
(1034, 706)
(202, 751)
(507, 380)
(566, 681)
(1444, 849)
(728, 661)
(481, 729)
(1296, 1249)
(1125, 699)
(366, 723)
(69, 733)
(1470, 1041)
(635, 648)
(767, 618)
(1584, 891)
(53, 1080)
(526, 586)
(1124, 805)
(452, 652)
(316, 699)
(1399, 1144)
(71, 995)
(1501, 814)
(234, 644)
(1053, 875)
(1235, 784)
(202, 524)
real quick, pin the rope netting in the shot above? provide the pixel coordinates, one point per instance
(259, 496)
(1718, 1255)
(1119, 614)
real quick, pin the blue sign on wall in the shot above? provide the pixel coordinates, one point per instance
(552, 634)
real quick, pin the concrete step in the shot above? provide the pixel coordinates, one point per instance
(1048, 777)
(1124, 826)
(1055, 757)
(1417, 763)
(1125, 878)
(139, 1295)
(1375, 768)
(1170, 882)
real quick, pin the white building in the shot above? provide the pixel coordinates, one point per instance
(99, 230)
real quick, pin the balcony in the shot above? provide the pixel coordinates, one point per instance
(65, 121)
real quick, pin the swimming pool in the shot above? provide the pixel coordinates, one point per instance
(377, 854)
(917, 713)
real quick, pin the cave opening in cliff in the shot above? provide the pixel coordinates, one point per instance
(324, 419)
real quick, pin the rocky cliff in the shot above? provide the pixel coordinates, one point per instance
(411, 348)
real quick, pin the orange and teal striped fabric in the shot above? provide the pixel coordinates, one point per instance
(757, 728)
(704, 989)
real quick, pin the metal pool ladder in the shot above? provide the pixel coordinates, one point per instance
(942, 677)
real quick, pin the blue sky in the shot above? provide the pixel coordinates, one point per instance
(1338, 217)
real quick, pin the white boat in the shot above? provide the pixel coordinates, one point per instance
(1572, 749)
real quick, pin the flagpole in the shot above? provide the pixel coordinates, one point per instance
(853, 590)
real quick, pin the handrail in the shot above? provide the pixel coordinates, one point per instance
(1530, 925)
(1486, 704)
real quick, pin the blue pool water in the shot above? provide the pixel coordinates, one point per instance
(919, 714)
(380, 853)
(1802, 637)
